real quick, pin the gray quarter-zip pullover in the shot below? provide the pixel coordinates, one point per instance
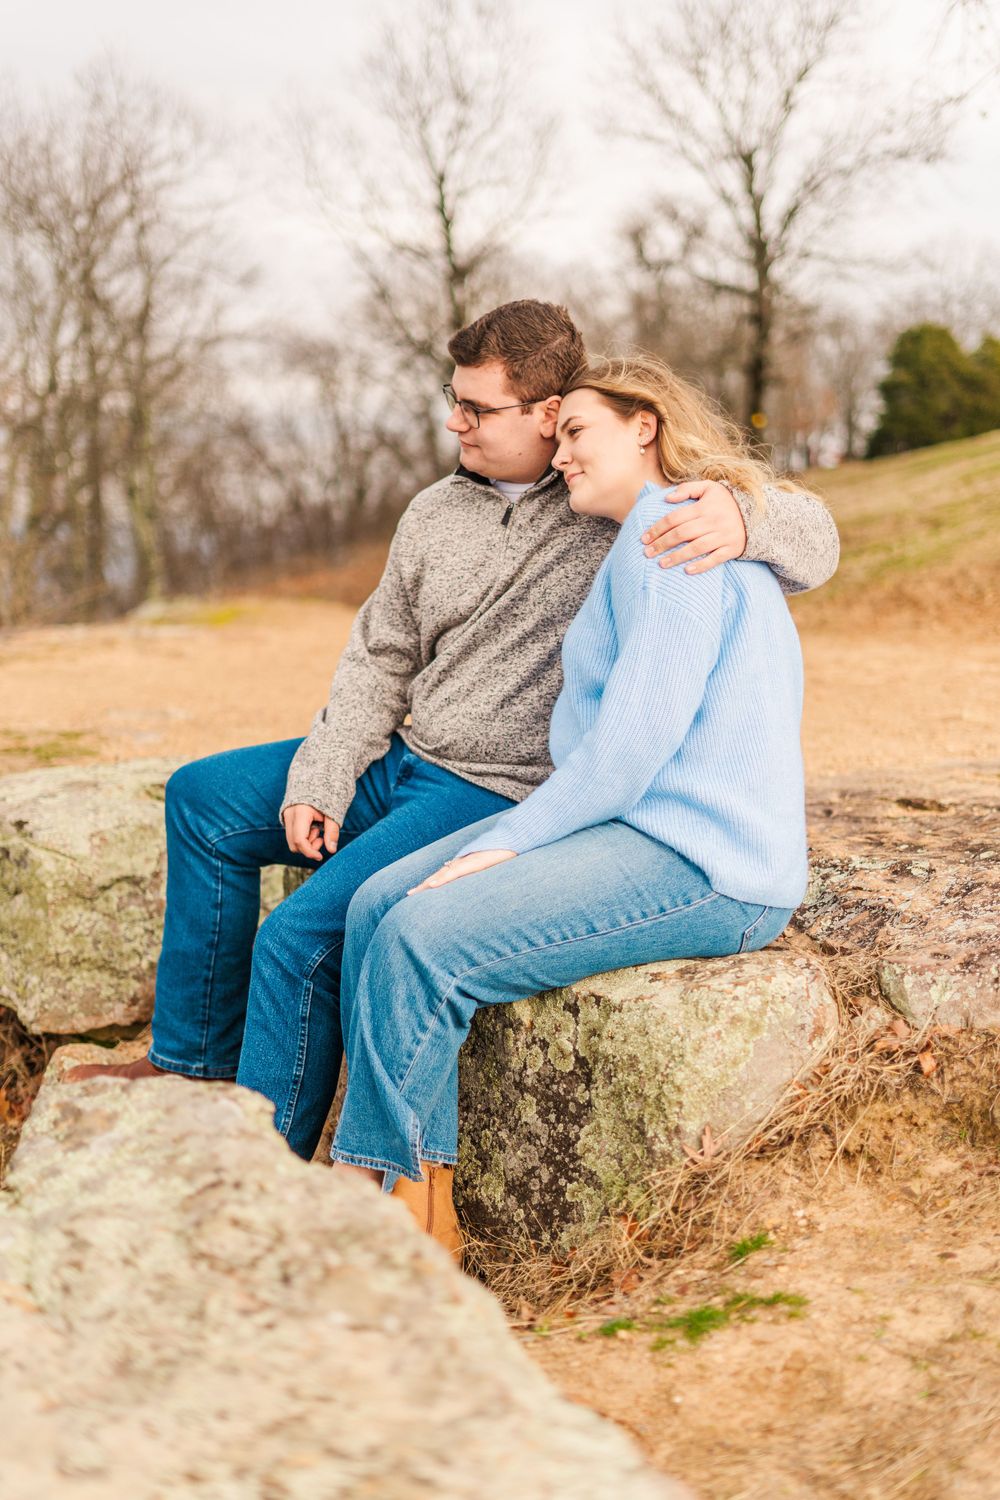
(463, 632)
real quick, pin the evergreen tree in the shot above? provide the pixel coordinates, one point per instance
(985, 362)
(935, 391)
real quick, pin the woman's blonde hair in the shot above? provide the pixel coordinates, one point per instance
(694, 439)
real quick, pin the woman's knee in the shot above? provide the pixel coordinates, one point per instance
(768, 926)
(372, 902)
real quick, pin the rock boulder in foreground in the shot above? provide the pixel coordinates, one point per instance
(188, 1310)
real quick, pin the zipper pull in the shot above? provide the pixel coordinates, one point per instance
(506, 515)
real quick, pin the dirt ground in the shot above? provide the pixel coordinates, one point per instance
(874, 1373)
(885, 1380)
(207, 677)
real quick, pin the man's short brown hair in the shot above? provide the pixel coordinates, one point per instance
(537, 343)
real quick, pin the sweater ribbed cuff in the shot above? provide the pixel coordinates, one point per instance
(332, 802)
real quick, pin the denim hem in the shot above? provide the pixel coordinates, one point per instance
(354, 1159)
(188, 1070)
(392, 1169)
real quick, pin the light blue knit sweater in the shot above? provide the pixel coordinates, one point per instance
(679, 714)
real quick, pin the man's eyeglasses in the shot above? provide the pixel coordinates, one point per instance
(473, 413)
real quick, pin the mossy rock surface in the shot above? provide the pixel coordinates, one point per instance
(82, 890)
(82, 870)
(572, 1100)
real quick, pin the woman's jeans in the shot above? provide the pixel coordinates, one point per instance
(263, 1007)
(416, 968)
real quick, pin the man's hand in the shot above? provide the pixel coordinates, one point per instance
(711, 529)
(469, 864)
(308, 831)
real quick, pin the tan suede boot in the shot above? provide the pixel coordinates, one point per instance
(430, 1202)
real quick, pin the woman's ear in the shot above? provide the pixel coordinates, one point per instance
(550, 416)
(647, 428)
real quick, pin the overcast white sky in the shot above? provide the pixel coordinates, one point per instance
(241, 59)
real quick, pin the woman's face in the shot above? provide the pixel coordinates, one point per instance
(599, 454)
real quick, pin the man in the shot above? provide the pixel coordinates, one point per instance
(486, 570)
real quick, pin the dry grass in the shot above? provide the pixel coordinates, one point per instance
(867, 1364)
(918, 536)
(697, 1209)
(23, 1059)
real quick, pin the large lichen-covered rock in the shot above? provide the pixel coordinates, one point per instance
(906, 876)
(82, 884)
(189, 1310)
(82, 867)
(908, 879)
(571, 1101)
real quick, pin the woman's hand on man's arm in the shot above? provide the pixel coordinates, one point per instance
(468, 864)
(703, 522)
(794, 534)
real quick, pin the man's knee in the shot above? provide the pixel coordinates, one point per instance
(305, 931)
(187, 789)
(220, 788)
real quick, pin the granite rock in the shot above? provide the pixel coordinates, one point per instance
(189, 1310)
(572, 1100)
(82, 887)
(907, 878)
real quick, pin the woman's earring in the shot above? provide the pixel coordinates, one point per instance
(642, 447)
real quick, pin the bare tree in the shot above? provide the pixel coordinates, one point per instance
(957, 284)
(804, 427)
(978, 28)
(430, 191)
(849, 354)
(113, 282)
(753, 106)
(682, 321)
(341, 445)
(43, 247)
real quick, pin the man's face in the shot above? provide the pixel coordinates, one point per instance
(516, 444)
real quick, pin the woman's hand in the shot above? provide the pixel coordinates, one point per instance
(711, 529)
(469, 864)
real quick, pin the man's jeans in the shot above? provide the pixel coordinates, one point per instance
(264, 1007)
(416, 968)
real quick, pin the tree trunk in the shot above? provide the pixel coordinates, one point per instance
(141, 493)
(757, 370)
(94, 585)
(91, 517)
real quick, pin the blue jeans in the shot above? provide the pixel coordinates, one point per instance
(416, 968)
(263, 1007)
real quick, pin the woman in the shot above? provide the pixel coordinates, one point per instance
(673, 825)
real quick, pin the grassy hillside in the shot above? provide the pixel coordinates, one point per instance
(919, 532)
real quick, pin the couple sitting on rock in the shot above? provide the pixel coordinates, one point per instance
(598, 588)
